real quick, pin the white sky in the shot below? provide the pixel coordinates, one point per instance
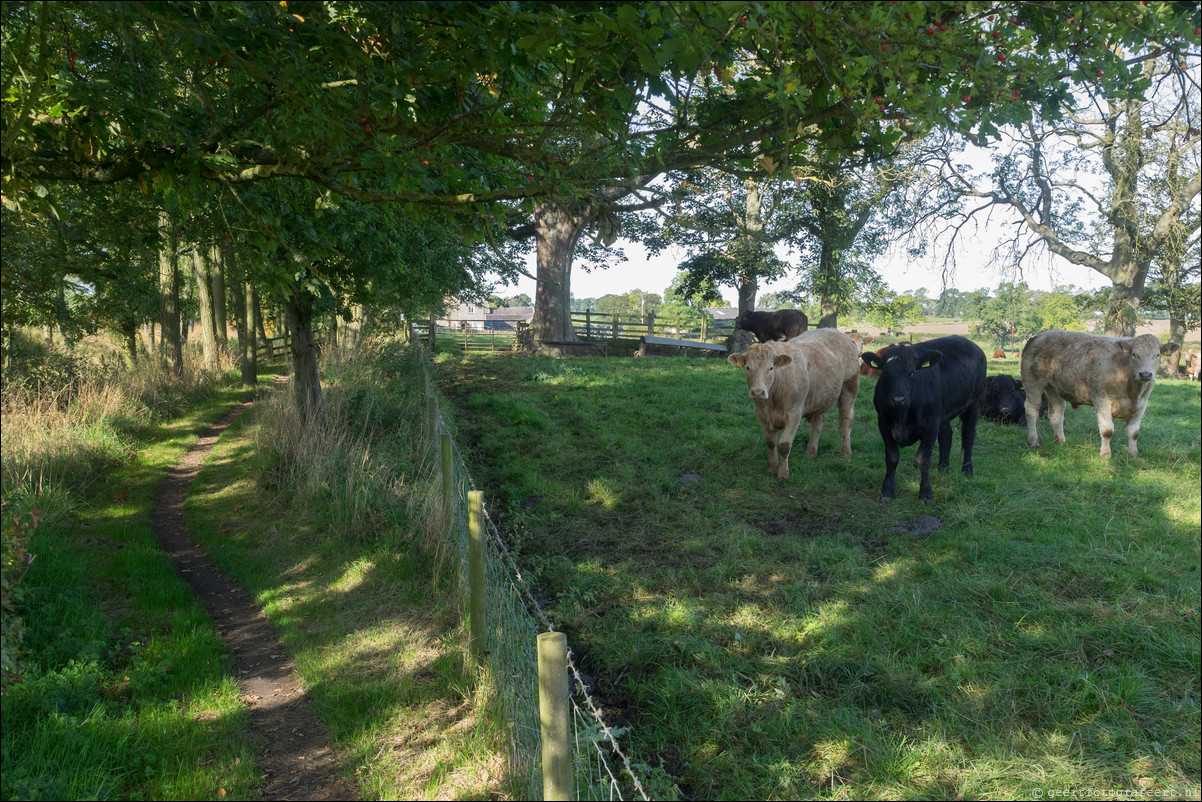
(902, 275)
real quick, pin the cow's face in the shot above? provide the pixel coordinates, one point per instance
(1143, 355)
(899, 366)
(761, 364)
(1007, 395)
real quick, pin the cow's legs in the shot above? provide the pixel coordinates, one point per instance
(815, 434)
(1133, 427)
(945, 445)
(770, 441)
(892, 457)
(792, 421)
(847, 412)
(1031, 407)
(1106, 426)
(968, 435)
(1056, 416)
(925, 446)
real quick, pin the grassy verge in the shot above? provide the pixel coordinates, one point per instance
(772, 642)
(128, 693)
(331, 529)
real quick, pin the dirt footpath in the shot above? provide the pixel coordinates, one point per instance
(294, 758)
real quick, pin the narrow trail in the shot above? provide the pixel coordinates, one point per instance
(294, 757)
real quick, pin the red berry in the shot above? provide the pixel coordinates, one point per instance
(930, 31)
(885, 46)
(73, 54)
(966, 98)
(943, 27)
(1156, 52)
(1015, 95)
(1099, 73)
(1001, 56)
(938, 22)
(362, 120)
(1197, 31)
(907, 15)
(1014, 20)
(990, 18)
(367, 128)
(71, 63)
(997, 34)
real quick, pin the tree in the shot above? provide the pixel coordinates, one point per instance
(1115, 225)
(892, 312)
(384, 103)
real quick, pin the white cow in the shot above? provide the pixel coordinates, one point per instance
(801, 378)
(1115, 375)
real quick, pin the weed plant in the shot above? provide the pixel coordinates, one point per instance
(807, 641)
(334, 528)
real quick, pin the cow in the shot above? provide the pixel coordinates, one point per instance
(999, 354)
(921, 389)
(1193, 364)
(872, 373)
(783, 324)
(801, 378)
(859, 339)
(1003, 399)
(1115, 375)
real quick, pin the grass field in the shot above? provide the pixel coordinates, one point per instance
(768, 642)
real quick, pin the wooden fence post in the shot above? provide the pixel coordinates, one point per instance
(475, 571)
(432, 403)
(615, 328)
(448, 478)
(554, 714)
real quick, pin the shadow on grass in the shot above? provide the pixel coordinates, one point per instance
(771, 642)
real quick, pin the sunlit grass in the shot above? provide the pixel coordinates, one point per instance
(332, 529)
(775, 642)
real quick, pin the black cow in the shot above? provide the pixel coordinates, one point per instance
(1003, 399)
(921, 388)
(783, 324)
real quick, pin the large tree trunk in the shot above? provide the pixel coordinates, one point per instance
(204, 294)
(1122, 310)
(250, 372)
(220, 321)
(298, 310)
(129, 330)
(556, 232)
(245, 332)
(827, 279)
(172, 349)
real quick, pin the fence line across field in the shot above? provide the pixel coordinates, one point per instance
(512, 622)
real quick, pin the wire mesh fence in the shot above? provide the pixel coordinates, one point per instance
(602, 770)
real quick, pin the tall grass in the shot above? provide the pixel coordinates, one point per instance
(69, 417)
(335, 528)
(128, 692)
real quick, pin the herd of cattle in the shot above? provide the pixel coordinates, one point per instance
(795, 373)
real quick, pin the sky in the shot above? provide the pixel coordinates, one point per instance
(972, 272)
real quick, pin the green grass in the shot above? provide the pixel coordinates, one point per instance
(328, 528)
(778, 642)
(129, 693)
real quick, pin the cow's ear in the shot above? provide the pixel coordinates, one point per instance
(782, 360)
(1168, 348)
(930, 359)
(868, 339)
(871, 360)
(738, 360)
(1124, 346)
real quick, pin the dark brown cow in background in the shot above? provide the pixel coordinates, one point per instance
(783, 324)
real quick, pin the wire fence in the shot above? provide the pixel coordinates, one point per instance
(602, 769)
